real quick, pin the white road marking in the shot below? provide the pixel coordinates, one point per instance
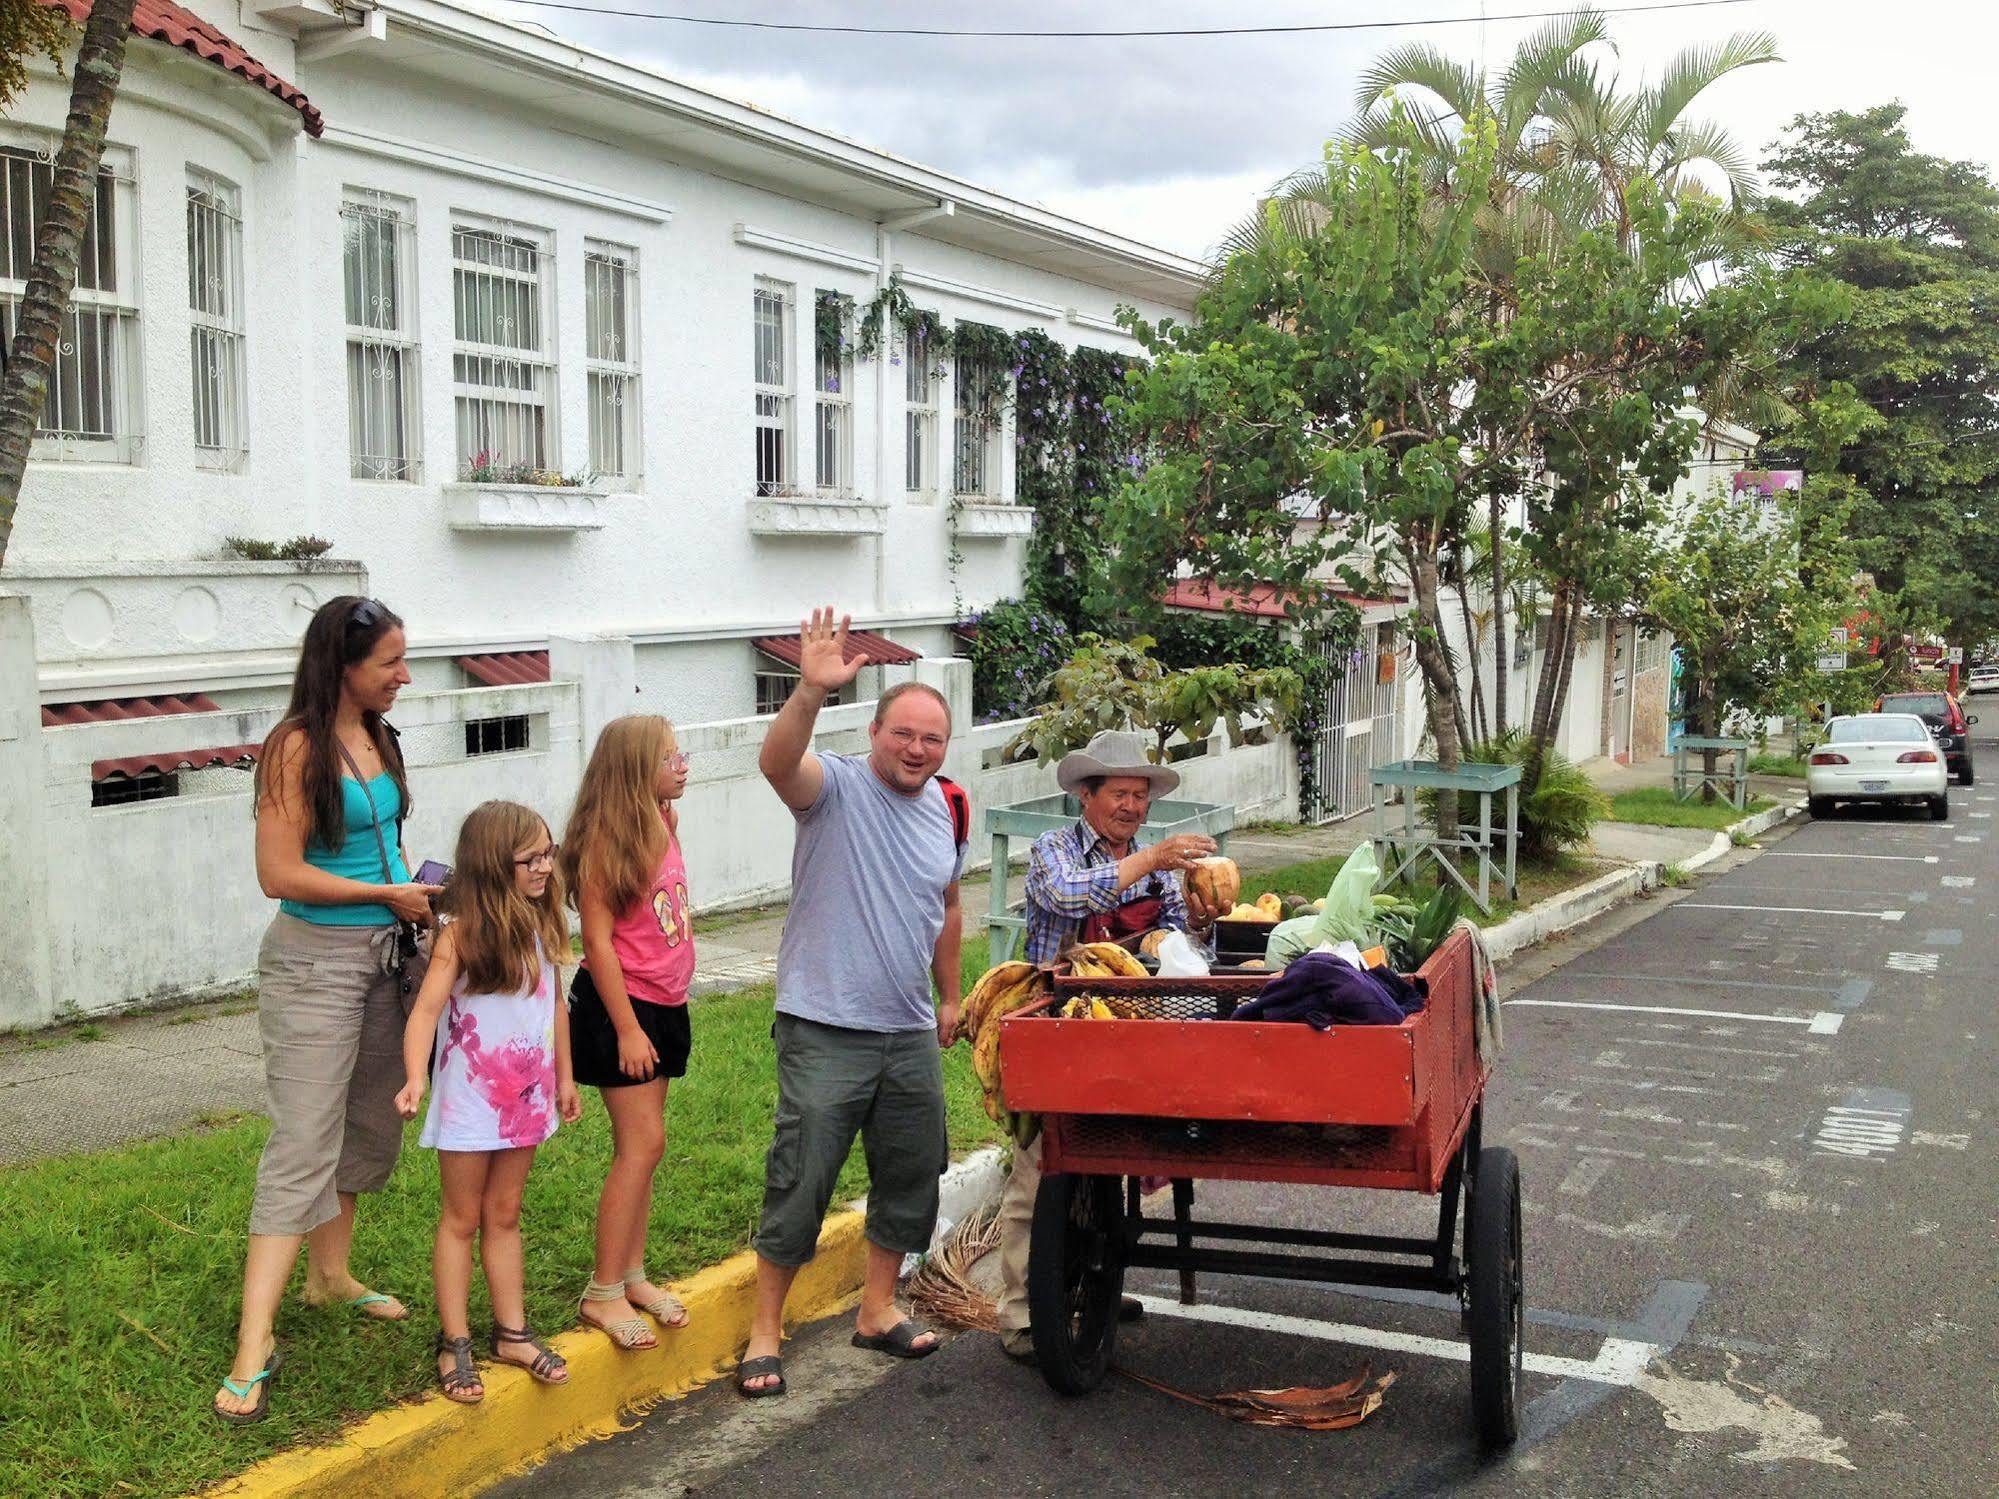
(1585, 1174)
(1948, 1142)
(1968, 838)
(1893, 858)
(1619, 1361)
(1979, 814)
(1959, 881)
(1691, 905)
(1913, 962)
(1824, 1023)
(1867, 1133)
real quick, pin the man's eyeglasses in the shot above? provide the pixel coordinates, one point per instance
(543, 860)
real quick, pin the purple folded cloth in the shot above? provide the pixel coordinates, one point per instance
(1324, 991)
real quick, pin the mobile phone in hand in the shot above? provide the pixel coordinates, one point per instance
(433, 873)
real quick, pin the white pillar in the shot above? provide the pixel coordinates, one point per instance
(606, 674)
(27, 994)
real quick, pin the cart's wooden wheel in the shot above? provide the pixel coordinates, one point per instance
(1075, 1278)
(1496, 1308)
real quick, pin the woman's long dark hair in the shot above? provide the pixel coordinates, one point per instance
(344, 631)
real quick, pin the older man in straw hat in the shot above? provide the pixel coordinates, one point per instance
(1090, 882)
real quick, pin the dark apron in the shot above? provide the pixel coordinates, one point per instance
(1128, 920)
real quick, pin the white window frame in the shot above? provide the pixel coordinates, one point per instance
(920, 382)
(773, 320)
(217, 349)
(115, 413)
(378, 259)
(504, 395)
(833, 415)
(611, 361)
(975, 454)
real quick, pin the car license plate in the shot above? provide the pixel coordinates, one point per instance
(1873, 785)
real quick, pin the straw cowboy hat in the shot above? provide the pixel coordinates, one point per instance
(1114, 752)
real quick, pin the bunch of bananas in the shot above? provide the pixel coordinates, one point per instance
(1000, 991)
(1103, 960)
(1101, 1007)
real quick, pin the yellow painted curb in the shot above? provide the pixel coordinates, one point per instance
(433, 1446)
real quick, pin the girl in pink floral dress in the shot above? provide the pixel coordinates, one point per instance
(489, 1029)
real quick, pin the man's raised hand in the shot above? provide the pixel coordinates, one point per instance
(822, 655)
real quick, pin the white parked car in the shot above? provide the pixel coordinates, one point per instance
(1983, 678)
(1877, 757)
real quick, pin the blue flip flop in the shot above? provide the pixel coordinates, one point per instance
(261, 1382)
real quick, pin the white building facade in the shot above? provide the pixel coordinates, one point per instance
(347, 259)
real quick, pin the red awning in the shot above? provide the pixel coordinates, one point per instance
(873, 649)
(1262, 601)
(507, 668)
(118, 709)
(163, 21)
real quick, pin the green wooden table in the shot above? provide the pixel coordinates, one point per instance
(1030, 819)
(1690, 781)
(1400, 855)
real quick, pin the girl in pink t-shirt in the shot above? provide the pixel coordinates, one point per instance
(621, 860)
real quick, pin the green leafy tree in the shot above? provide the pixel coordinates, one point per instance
(1120, 684)
(1745, 592)
(1915, 240)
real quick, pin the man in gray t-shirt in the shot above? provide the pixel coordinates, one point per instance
(874, 925)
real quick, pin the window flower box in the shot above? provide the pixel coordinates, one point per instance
(990, 521)
(816, 515)
(523, 507)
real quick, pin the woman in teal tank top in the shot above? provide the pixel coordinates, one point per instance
(331, 799)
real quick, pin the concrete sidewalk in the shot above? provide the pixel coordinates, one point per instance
(154, 1074)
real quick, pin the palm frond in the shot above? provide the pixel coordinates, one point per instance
(1707, 142)
(1547, 54)
(1421, 65)
(1693, 71)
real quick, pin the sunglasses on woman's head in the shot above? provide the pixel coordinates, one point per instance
(366, 614)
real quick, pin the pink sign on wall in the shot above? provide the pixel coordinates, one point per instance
(1768, 481)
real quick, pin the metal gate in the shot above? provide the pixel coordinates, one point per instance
(1360, 723)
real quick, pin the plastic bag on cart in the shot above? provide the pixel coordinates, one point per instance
(1178, 958)
(1346, 917)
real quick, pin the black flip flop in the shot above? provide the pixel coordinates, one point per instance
(898, 1342)
(261, 1382)
(756, 1368)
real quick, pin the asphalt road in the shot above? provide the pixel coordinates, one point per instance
(1755, 1124)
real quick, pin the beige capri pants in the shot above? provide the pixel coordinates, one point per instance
(332, 1027)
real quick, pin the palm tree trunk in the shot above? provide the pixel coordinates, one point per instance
(1499, 661)
(1439, 678)
(1473, 725)
(100, 61)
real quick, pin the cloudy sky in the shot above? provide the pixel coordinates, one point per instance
(1169, 140)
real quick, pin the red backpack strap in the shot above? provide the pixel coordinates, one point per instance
(960, 803)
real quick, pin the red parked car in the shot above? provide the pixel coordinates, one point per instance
(1947, 722)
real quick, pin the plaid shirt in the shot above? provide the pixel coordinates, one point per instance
(1072, 876)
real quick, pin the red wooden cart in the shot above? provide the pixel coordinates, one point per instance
(1186, 1094)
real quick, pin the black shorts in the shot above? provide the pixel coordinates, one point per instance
(593, 1039)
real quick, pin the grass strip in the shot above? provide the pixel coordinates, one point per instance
(1654, 806)
(1777, 765)
(119, 1272)
(1539, 879)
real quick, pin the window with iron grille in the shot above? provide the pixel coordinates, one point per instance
(919, 418)
(611, 343)
(93, 406)
(975, 466)
(771, 309)
(502, 372)
(215, 316)
(833, 427)
(378, 269)
(147, 786)
(775, 685)
(495, 736)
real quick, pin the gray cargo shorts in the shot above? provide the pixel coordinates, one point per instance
(834, 1083)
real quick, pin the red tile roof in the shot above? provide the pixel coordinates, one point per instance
(1262, 601)
(507, 668)
(163, 21)
(875, 650)
(238, 755)
(114, 710)
(121, 709)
